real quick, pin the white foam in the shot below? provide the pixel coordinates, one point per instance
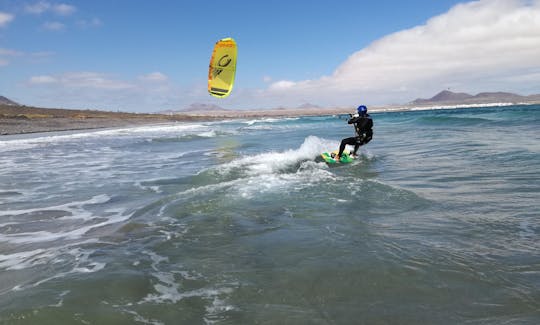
(168, 289)
(308, 174)
(169, 292)
(90, 268)
(272, 162)
(166, 128)
(267, 172)
(50, 256)
(75, 208)
(43, 139)
(23, 260)
(82, 263)
(140, 319)
(428, 108)
(64, 225)
(270, 120)
(217, 307)
(208, 134)
(47, 236)
(61, 302)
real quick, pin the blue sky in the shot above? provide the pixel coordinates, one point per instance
(153, 55)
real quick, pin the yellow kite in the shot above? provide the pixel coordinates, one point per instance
(222, 68)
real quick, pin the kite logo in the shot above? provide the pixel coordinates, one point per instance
(216, 72)
(227, 61)
(223, 62)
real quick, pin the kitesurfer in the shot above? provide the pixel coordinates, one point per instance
(363, 125)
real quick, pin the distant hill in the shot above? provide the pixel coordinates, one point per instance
(195, 107)
(308, 106)
(7, 101)
(447, 97)
(199, 107)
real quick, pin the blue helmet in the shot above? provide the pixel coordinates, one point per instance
(362, 109)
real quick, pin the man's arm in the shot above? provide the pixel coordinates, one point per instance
(354, 119)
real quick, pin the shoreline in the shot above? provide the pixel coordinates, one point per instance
(35, 120)
(14, 126)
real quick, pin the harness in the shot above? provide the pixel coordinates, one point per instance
(363, 128)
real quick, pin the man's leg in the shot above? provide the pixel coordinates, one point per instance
(356, 146)
(360, 141)
(345, 142)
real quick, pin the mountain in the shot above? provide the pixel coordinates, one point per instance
(195, 107)
(447, 97)
(199, 107)
(443, 96)
(308, 106)
(534, 98)
(6, 101)
(495, 97)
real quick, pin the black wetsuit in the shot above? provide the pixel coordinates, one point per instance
(363, 125)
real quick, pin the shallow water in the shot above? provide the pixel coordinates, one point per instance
(241, 222)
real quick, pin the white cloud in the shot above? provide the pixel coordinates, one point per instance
(42, 54)
(63, 9)
(41, 7)
(94, 22)
(54, 25)
(154, 77)
(6, 55)
(42, 80)
(89, 80)
(473, 46)
(5, 18)
(149, 92)
(37, 8)
(283, 84)
(9, 52)
(93, 80)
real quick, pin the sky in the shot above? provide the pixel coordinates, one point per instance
(150, 56)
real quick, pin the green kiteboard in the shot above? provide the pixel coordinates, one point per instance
(329, 157)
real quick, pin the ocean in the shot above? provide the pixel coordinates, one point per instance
(240, 222)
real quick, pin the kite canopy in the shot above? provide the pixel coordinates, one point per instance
(222, 68)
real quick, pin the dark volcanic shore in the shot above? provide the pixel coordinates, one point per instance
(21, 125)
(23, 119)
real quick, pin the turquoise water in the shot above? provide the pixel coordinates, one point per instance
(240, 222)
